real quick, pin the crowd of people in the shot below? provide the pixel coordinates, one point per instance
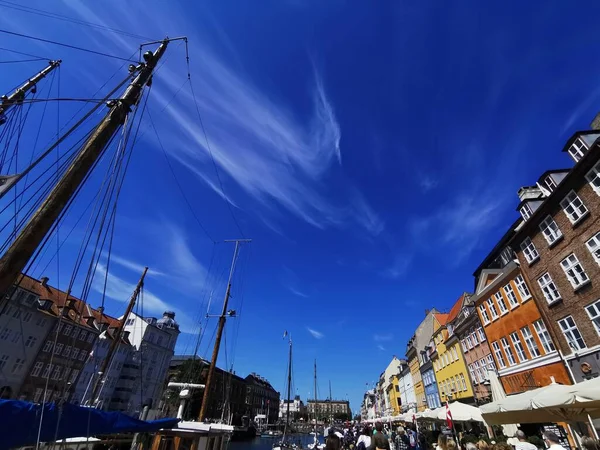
(382, 437)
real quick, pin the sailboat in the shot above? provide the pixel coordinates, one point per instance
(286, 444)
(28, 423)
(316, 445)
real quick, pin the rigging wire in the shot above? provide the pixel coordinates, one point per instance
(74, 47)
(21, 60)
(25, 54)
(41, 12)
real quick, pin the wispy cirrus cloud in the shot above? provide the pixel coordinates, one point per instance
(399, 267)
(314, 333)
(427, 183)
(383, 337)
(297, 292)
(381, 347)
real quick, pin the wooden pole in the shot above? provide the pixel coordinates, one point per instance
(14, 261)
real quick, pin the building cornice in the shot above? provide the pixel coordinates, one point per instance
(549, 358)
(584, 352)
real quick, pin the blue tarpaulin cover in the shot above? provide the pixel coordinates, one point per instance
(20, 421)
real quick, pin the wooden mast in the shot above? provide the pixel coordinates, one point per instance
(14, 261)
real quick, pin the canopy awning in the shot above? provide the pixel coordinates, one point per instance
(461, 412)
(555, 402)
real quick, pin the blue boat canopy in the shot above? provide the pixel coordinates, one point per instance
(20, 423)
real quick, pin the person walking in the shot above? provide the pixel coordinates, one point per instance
(587, 443)
(442, 442)
(523, 443)
(379, 439)
(364, 440)
(401, 442)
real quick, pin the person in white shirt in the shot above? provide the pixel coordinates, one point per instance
(365, 438)
(552, 441)
(523, 444)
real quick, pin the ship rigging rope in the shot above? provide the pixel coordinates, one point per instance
(74, 47)
(21, 60)
(25, 54)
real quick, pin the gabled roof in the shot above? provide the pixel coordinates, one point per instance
(485, 278)
(442, 318)
(453, 314)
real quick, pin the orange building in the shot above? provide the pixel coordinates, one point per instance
(522, 347)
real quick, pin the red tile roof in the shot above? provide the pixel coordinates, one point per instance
(456, 308)
(442, 318)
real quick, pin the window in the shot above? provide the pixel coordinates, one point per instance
(534, 351)
(58, 348)
(67, 330)
(593, 246)
(75, 353)
(454, 353)
(27, 317)
(549, 288)
(453, 384)
(463, 382)
(572, 334)
(67, 351)
(90, 337)
(490, 363)
(75, 333)
(484, 315)
(17, 314)
(501, 302)
(464, 345)
(511, 296)
(41, 322)
(30, 300)
(484, 369)
(525, 211)
(498, 354)
(16, 337)
(38, 395)
(549, 182)
(59, 326)
(477, 372)
(544, 336)
(37, 368)
(18, 365)
(573, 207)
(56, 373)
(47, 346)
(472, 372)
(529, 251)
(469, 342)
(593, 176)
(82, 355)
(593, 312)
(574, 272)
(30, 342)
(47, 370)
(492, 308)
(481, 334)
(508, 351)
(516, 340)
(550, 230)
(129, 321)
(522, 288)
(474, 338)
(83, 335)
(577, 149)
(74, 375)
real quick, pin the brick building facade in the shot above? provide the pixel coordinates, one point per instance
(558, 246)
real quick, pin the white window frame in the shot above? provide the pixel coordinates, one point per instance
(529, 251)
(499, 355)
(463, 381)
(574, 271)
(550, 185)
(464, 346)
(492, 308)
(578, 149)
(474, 338)
(593, 312)
(593, 176)
(75, 353)
(485, 318)
(526, 211)
(501, 303)
(37, 395)
(550, 230)
(18, 366)
(472, 372)
(484, 366)
(469, 342)
(37, 368)
(522, 288)
(572, 333)
(593, 245)
(532, 346)
(491, 365)
(58, 348)
(454, 353)
(67, 330)
(513, 301)
(482, 336)
(518, 345)
(48, 346)
(510, 356)
(573, 207)
(548, 287)
(544, 336)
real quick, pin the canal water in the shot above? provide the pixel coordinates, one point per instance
(259, 443)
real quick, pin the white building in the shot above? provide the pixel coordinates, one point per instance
(367, 409)
(296, 407)
(23, 330)
(153, 343)
(407, 390)
(90, 372)
(394, 368)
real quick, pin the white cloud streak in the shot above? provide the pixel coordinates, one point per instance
(314, 333)
(383, 337)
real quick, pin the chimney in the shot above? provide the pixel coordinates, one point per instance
(530, 193)
(44, 281)
(595, 125)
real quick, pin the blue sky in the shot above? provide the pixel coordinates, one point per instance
(371, 150)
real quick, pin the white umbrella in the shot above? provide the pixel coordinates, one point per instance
(461, 412)
(498, 394)
(552, 403)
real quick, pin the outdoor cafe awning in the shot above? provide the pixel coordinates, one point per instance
(552, 403)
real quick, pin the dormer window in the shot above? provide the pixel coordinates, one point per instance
(550, 230)
(549, 182)
(525, 211)
(577, 149)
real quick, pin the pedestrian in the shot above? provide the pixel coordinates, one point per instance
(471, 446)
(442, 442)
(482, 445)
(552, 441)
(451, 445)
(333, 441)
(523, 443)
(364, 440)
(401, 442)
(587, 443)
(379, 439)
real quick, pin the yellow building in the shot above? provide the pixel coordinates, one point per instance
(449, 363)
(393, 394)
